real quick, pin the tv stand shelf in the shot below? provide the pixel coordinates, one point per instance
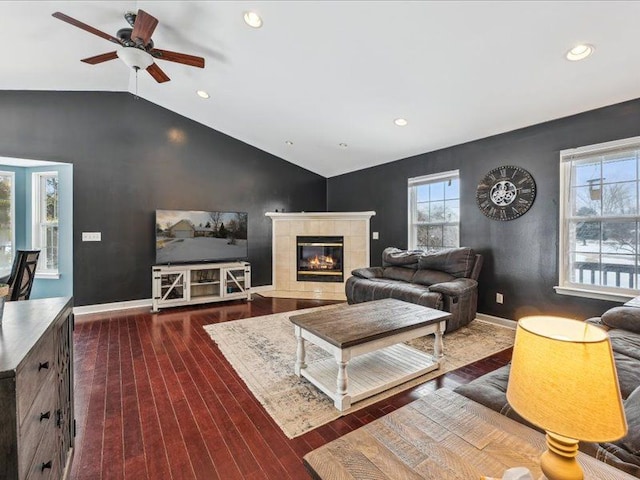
(192, 284)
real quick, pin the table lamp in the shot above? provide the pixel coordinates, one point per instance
(563, 379)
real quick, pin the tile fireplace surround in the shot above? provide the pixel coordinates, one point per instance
(353, 226)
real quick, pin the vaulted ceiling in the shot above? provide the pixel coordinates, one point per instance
(321, 82)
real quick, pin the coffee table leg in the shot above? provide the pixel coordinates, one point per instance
(343, 399)
(438, 344)
(300, 352)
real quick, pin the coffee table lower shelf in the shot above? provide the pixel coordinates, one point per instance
(371, 373)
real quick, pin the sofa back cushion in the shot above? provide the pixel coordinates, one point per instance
(395, 256)
(631, 441)
(398, 273)
(429, 277)
(457, 262)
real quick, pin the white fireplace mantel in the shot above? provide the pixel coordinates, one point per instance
(287, 226)
(321, 215)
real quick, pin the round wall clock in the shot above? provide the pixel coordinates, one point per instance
(506, 193)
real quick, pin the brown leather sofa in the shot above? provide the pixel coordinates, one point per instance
(446, 280)
(623, 324)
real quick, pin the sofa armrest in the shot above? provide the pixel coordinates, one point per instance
(369, 272)
(455, 288)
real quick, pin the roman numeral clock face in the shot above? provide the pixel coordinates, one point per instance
(506, 193)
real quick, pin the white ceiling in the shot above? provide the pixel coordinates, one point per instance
(321, 73)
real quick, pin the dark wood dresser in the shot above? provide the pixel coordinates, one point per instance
(36, 389)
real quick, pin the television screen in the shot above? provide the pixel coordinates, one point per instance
(193, 236)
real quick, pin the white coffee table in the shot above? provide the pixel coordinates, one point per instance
(365, 343)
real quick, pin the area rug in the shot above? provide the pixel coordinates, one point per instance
(262, 350)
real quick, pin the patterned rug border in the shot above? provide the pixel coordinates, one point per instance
(234, 338)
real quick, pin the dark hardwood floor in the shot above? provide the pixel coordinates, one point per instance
(155, 399)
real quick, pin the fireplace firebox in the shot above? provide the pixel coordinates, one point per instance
(320, 259)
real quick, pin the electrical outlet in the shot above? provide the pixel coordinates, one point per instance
(91, 236)
(375, 236)
(499, 298)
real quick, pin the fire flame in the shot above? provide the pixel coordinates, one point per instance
(321, 262)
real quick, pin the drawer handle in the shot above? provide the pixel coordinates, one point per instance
(45, 466)
(45, 415)
(43, 365)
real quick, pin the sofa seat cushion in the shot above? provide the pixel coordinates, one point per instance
(490, 390)
(368, 289)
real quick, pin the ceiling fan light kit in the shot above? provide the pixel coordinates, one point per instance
(137, 49)
(135, 58)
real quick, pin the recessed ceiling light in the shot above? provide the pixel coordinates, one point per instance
(252, 19)
(343, 145)
(289, 142)
(202, 94)
(400, 122)
(580, 52)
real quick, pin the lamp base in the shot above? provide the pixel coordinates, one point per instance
(559, 461)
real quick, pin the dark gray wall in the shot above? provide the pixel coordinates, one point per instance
(125, 167)
(521, 256)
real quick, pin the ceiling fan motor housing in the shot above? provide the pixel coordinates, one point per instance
(124, 34)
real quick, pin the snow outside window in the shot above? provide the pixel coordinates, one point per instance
(599, 218)
(434, 211)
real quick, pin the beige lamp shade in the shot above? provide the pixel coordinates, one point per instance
(563, 379)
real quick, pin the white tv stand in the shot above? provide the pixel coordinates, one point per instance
(192, 284)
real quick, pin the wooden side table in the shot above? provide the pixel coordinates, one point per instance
(440, 436)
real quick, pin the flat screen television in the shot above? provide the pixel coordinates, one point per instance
(196, 236)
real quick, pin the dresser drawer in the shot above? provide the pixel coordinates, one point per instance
(40, 418)
(33, 374)
(46, 462)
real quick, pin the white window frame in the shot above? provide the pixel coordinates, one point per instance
(13, 213)
(36, 232)
(414, 182)
(565, 286)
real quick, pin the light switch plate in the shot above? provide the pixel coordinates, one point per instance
(91, 236)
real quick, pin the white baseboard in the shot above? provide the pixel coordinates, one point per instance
(261, 288)
(504, 322)
(110, 307)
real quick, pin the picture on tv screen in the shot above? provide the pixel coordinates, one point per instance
(193, 236)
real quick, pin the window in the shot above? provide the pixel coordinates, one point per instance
(45, 218)
(434, 211)
(7, 221)
(599, 215)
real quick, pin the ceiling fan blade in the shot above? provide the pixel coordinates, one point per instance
(104, 57)
(85, 27)
(183, 58)
(143, 27)
(156, 72)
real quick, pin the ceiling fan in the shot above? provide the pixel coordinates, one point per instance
(137, 51)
